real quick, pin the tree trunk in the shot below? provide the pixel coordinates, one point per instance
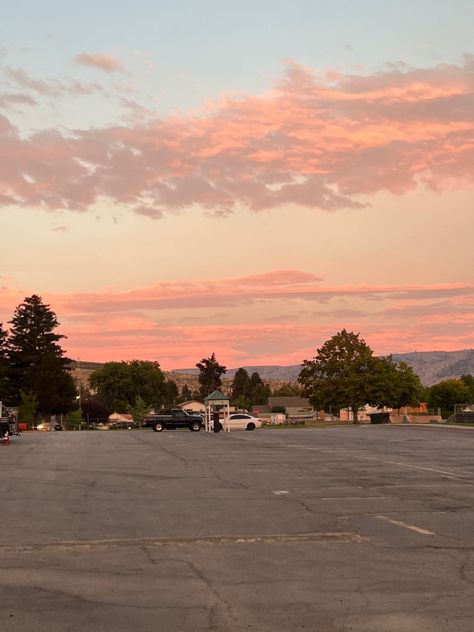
(355, 411)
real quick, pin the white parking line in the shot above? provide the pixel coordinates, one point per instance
(399, 523)
(409, 466)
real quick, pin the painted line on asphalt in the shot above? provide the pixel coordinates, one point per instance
(459, 475)
(280, 538)
(405, 525)
(357, 498)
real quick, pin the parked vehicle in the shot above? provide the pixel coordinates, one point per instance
(122, 425)
(243, 421)
(175, 418)
(44, 426)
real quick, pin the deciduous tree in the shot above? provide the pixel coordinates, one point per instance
(337, 375)
(139, 410)
(446, 394)
(118, 384)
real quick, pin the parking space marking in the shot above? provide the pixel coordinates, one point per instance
(357, 498)
(211, 540)
(410, 466)
(405, 525)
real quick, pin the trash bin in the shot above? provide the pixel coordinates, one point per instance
(379, 418)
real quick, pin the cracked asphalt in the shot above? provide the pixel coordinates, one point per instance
(362, 529)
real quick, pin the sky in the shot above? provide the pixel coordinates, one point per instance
(239, 177)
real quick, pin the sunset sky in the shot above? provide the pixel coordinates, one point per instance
(240, 177)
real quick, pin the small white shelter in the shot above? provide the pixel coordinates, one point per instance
(216, 403)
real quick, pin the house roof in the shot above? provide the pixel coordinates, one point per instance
(261, 408)
(216, 395)
(190, 401)
(289, 402)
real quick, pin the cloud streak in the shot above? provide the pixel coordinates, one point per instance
(325, 141)
(101, 61)
(179, 322)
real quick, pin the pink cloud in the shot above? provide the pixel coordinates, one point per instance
(315, 141)
(179, 322)
(49, 88)
(104, 62)
(8, 100)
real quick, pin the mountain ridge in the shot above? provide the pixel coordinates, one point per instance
(430, 366)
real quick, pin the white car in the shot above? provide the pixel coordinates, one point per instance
(242, 421)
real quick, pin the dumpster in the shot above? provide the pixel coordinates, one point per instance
(379, 418)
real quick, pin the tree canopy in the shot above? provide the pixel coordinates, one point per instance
(446, 394)
(337, 375)
(346, 374)
(118, 384)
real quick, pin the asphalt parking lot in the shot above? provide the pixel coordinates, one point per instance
(363, 529)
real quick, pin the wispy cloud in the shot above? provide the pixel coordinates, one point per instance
(101, 61)
(9, 100)
(18, 78)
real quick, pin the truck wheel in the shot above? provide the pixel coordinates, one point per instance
(158, 427)
(251, 426)
(195, 426)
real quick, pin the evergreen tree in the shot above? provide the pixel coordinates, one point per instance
(260, 394)
(259, 391)
(172, 394)
(241, 386)
(36, 360)
(210, 372)
(185, 393)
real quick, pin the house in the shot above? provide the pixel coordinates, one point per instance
(193, 406)
(295, 407)
(120, 417)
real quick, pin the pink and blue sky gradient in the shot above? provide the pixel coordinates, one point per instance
(245, 178)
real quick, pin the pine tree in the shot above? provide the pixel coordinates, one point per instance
(259, 391)
(37, 364)
(241, 384)
(210, 372)
(185, 393)
(172, 393)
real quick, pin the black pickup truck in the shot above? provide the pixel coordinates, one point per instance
(175, 418)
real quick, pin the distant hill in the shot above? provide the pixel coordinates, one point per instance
(431, 366)
(266, 372)
(434, 366)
